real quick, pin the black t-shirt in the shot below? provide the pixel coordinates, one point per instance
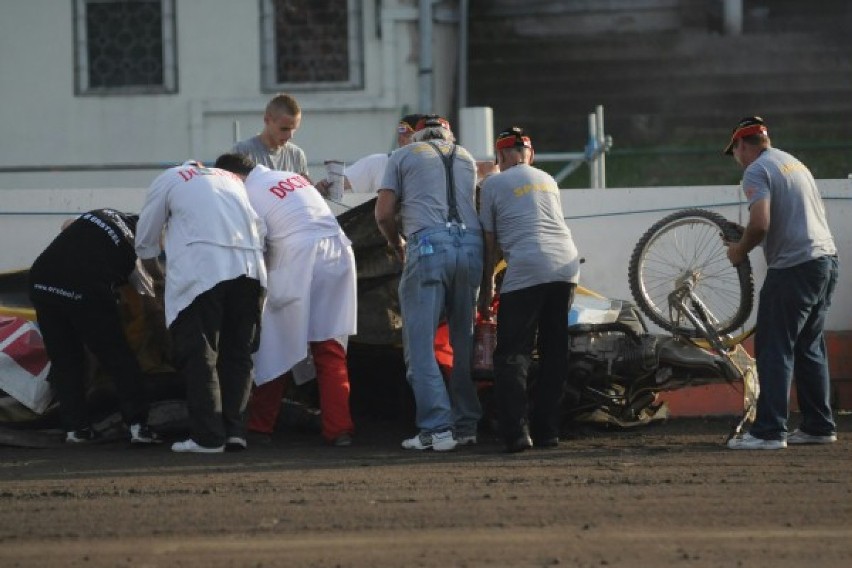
(91, 256)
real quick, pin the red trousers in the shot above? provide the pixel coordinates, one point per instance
(443, 350)
(333, 382)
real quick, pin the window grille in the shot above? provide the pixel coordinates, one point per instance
(311, 44)
(125, 46)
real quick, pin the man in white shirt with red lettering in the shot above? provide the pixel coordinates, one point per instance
(213, 285)
(312, 297)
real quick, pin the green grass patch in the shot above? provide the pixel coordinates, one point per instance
(684, 166)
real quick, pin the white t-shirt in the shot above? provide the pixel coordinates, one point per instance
(365, 175)
(212, 232)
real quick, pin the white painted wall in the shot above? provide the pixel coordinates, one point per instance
(218, 48)
(606, 224)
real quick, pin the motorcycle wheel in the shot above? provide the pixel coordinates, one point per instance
(689, 244)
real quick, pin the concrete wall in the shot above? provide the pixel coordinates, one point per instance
(606, 224)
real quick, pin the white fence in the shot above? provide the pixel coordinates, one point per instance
(606, 223)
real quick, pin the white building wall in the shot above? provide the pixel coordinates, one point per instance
(43, 122)
(606, 224)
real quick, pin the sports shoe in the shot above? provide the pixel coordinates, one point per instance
(236, 443)
(521, 444)
(259, 438)
(190, 446)
(439, 442)
(749, 442)
(466, 440)
(552, 442)
(142, 434)
(82, 436)
(797, 437)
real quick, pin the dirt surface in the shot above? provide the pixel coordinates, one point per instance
(666, 495)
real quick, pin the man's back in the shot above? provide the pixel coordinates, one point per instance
(798, 229)
(417, 175)
(213, 233)
(97, 248)
(289, 205)
(521, 205)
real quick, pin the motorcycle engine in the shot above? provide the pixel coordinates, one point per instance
(597, 357)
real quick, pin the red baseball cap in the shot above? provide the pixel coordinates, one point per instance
(747, 126)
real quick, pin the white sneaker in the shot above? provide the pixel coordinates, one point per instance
(797, 437)
(439, 442)
(141, 434)
(236, 443)
(749, 442)
(189, 446)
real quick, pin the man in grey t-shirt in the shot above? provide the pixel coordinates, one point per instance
(786, 216)
(431, 183)
(521, 214)
(272, 147)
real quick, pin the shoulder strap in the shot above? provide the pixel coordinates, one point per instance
(453, 212)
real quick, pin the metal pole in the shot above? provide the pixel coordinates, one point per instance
(236, 131)
(425, 71)
(592, 149)
(732, 17)
(599, 128)
(463, 51)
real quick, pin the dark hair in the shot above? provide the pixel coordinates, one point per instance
(411, 120)
(239, 164)
(131, 220)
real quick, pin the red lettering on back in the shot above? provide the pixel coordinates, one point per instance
(284, 186)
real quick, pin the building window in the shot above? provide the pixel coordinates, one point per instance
(125, 46)
(311, 44)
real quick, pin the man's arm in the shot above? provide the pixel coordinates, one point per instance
(385, 212)
(755, 231)
(486, 289)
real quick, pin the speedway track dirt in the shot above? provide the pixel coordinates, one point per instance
(666, 495)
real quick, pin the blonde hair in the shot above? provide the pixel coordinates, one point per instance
(283, 103)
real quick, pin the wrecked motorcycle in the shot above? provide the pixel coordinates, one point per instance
(682, 280)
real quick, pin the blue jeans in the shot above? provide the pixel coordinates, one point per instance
(443, 282)
(789, 341)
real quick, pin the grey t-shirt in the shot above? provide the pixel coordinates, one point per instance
(521, 206)
(798, 230)
(288, 157)
(416, 174)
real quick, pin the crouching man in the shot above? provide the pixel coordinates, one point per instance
(213, 284)
(73, 290)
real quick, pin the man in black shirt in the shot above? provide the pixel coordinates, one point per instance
(73, 290)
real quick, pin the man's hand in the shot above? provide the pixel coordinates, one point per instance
(398, 249)
(736, 254)
(322, 186)
(484, 305)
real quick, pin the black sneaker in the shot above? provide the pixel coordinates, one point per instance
(141, 434)
(82, 436)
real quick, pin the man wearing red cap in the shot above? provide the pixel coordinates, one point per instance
(521, 214)
(431, 183)
(786, 217)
